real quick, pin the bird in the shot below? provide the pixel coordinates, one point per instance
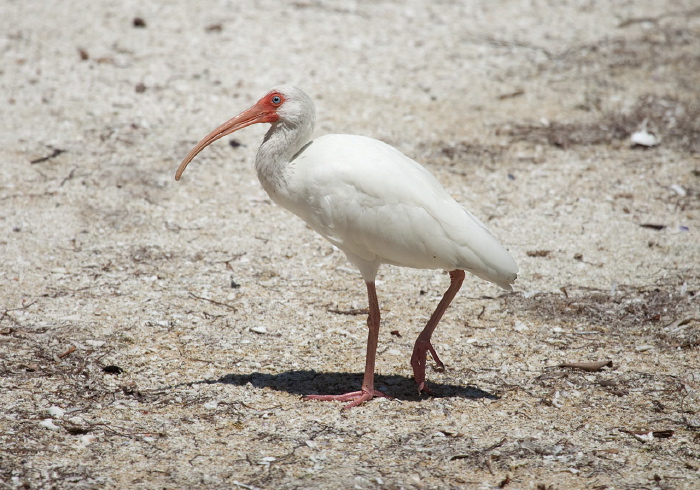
(373, 203)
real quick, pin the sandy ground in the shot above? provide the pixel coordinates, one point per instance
(161, 334)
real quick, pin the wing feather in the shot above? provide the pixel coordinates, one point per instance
(375, 203)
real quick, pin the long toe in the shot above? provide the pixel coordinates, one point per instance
(418, 365)
(439, 366)
(355, 397)
(419, 361)
(423, 387)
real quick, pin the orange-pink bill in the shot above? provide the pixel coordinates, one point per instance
(259, 113)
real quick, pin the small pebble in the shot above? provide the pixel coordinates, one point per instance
(57, 412)
(260, 330)
(644, 138)
(48, 423)
(87, 439)
(556, 401)
(520, 326)
(649, 437)
(679, 190)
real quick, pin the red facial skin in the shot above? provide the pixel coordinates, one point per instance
(264, 111)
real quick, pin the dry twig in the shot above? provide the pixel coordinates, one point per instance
(587, 366)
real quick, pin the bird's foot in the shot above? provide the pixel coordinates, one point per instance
(419, 361)
(355, 397)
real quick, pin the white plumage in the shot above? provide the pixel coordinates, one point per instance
(373, 203)
(380, 207)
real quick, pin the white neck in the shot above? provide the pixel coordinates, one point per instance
(282, 142)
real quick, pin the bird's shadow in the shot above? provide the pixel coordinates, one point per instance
(308, 382)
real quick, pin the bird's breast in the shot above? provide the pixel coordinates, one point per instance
(369, 200)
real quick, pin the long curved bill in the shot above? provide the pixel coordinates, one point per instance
(254, 115)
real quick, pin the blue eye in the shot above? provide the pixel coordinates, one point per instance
(276, 100)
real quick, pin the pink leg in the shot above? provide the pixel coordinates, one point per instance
(423, 345)
(368, 392)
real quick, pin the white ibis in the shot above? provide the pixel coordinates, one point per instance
(373, 203)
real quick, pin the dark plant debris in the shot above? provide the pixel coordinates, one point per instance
(630, 307)
(54, 154)
(352, 311)
(115, 370)
(675, 121)
(653, 226)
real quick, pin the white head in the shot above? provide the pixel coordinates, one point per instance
(284, 105)
(295, 107)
